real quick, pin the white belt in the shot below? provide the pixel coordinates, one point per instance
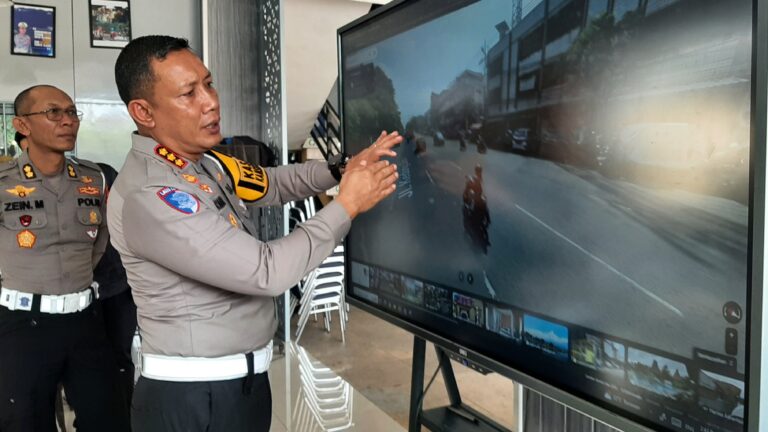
(188, 369)
(52, 304)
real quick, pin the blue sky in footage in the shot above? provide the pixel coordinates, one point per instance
(427, 58)
(549, 331)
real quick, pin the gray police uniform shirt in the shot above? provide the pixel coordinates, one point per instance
(53, 228)
(203, 285)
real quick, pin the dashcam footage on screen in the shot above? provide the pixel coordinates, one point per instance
(574, 184)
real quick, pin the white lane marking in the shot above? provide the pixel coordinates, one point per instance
(429, 177)
(608, 266)
(488, 285)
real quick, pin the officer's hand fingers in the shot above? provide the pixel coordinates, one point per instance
(385, 172)
(389, 179)
(378, 166)
(386, 142)
(387, 191)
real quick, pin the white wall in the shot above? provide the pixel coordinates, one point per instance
(87, 74)
(310, 59)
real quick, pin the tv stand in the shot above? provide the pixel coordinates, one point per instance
(454, 417)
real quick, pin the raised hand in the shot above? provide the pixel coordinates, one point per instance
(366, 185)
(373, 153)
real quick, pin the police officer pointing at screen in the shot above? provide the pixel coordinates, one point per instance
(203, 285)
(52, 235)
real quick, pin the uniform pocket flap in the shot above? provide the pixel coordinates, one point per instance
(90, 216)
(21, 220)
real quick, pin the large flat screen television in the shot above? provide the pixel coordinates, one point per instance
(574, 203)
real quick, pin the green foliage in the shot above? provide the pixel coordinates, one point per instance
(367, 116)
(419, 124)
(594, 55)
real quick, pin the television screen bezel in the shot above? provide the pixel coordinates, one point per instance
(754, 311)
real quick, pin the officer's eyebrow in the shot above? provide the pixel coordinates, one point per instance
(193, 82)
(56, 105)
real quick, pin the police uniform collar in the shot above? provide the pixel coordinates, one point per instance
(29, 172)
(151, 147)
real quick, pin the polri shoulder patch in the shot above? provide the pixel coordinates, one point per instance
(181, 201)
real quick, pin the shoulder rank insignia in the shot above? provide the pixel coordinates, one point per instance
(71, 171)
(89, 190)
(86, 179)
(20, 191)
(26, 239)
(179, 200)
(29, 172)
(170, 156)
(190, 178)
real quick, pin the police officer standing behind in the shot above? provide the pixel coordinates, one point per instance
(52, 234)
(203, 285)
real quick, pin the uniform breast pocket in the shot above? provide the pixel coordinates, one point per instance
(91, 218)
(18, 221)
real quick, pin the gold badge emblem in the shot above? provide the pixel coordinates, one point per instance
(29, 172)
(233, 220)
(20, 191)
(88, 190)
(205, 188)
(26, 239)
(86, 180)
(71, 171)
(93, 217)
(190, 178)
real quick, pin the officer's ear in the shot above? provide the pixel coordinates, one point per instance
(140, 111)
(21, 126)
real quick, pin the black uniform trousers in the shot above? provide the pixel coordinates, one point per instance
(120, 324)
(208, 406)
(39, 351)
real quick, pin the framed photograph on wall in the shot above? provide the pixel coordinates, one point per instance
(33, 30)
(110, 23)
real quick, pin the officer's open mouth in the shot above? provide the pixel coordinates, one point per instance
(212, 126)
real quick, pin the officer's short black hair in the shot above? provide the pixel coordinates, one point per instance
(133, 69)
(24, 99)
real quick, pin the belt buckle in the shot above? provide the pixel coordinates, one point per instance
(23, 301)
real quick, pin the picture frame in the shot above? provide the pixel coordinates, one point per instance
(110, 23)
(33, 30)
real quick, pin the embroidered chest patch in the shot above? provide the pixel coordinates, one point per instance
(179, 200)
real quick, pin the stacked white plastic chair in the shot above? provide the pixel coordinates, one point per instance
(323, 293)
(325, 400)
(299, 212)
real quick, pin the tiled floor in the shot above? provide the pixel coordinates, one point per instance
(376, 361)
